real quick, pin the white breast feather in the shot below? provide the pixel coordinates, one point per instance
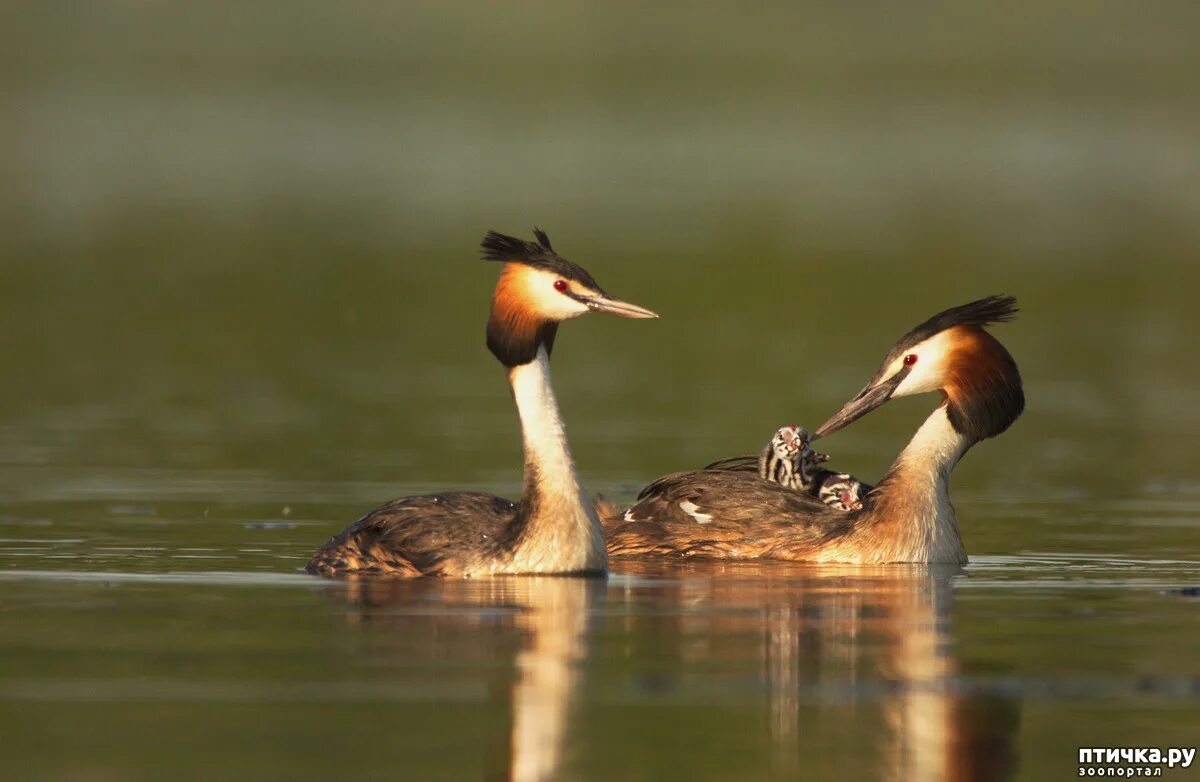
(693, 510)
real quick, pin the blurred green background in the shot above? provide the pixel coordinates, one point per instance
(244, 237)
(239, 281)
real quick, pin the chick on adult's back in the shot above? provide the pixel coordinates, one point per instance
(554, 527)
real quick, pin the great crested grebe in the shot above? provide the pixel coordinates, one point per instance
(554, 528)
(733, 513)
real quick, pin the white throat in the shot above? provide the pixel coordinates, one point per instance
(936, 446)
(563, 532)
(920, 478)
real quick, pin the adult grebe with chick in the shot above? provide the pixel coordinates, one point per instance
(907, 517)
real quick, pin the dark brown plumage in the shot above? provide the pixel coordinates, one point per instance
(737, 515)
(422, 535)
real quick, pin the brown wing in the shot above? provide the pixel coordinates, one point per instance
(414, 536)
(746, 463)
(727, 514)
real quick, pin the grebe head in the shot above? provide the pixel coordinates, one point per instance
(538, 289)
(950, 353)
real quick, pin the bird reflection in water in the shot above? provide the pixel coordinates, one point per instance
(552, 614)
(874, 645)
(850, 635)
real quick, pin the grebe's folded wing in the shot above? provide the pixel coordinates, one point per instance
(417, 535)
(722, 496)
(723, 514)
(745, 463)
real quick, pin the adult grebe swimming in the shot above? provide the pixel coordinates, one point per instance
(554, 528)
(907, 517)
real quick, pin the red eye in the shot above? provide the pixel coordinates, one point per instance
(910, 359)
(560, 286)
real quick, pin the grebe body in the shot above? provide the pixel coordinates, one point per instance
(554, 528)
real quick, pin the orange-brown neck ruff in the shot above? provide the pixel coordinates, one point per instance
(515, 330)
(982, 384)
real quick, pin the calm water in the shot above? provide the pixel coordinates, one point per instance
(240, 305)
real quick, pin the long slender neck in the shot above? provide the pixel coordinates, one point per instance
(913, 499)
(556, 530)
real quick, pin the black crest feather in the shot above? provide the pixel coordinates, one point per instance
(501, 247)
(540, 254)
(983, 312)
